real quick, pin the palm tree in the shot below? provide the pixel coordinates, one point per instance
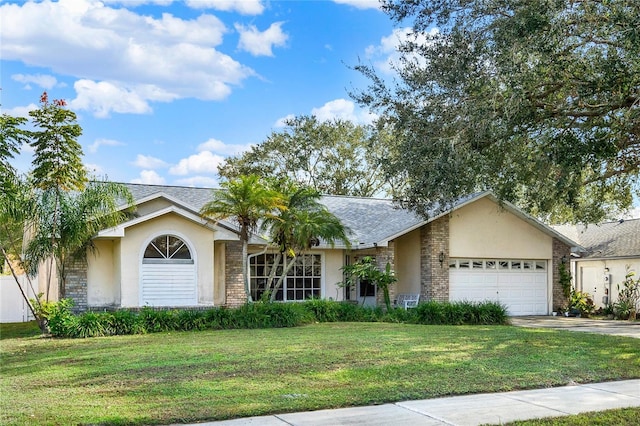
(246, 200)
(299, 227)
(68, 220)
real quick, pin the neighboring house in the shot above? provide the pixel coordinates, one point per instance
(608, 252)
(169, 255)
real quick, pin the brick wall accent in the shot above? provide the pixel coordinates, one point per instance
(386, 255)
(559, 250)
(235, 295)
(76, 284)
(434, 276)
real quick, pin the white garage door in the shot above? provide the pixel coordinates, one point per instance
(520, 285)
(168, 274)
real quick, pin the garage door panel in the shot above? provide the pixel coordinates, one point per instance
(523, 292)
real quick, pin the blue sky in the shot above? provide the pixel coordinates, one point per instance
(164, 90)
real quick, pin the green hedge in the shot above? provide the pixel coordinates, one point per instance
(63, 323)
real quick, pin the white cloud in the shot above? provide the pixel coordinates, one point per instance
(94, 169)
(198, 181)
(146, 58)
(133, 3)
(244, 7)
(103, 142)
(203, 162)
(148, 162)
(261, 43)
(281, 122)
(102, 98)
(43, 80)
(149, 177)
(20, 111)
(386, 55)
(343, 109)
(220, 147)
(633, 213)
(361, 4)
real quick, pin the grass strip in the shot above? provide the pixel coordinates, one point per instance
(181, 377)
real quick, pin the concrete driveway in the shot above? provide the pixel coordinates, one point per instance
(612, 327)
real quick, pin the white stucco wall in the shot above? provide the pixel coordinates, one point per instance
(219, 284)
(333, 261)
(152, 206)
(483, 230)
(136, 239)
(589, 276)
(103, 281)
(407, 262)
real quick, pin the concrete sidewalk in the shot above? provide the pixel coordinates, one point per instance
(495, 408)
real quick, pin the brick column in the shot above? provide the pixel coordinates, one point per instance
(560, 250)
(235, 295)
(76, 284)
(434, 276)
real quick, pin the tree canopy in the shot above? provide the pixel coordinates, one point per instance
(537, 100)
(56, 203)
(334, 157)
(245, 200)
(298, 226)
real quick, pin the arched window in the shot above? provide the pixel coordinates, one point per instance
(167, 249)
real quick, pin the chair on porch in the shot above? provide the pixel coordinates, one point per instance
(407, 300)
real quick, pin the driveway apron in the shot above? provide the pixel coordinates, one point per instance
(611, 327)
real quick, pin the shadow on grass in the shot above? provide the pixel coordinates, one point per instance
(16, 330)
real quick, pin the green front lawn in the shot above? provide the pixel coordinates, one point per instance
(619, 417)
(196, 376)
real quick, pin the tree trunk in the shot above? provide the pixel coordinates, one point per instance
(24, 296)
(282, 277)
(245, 269)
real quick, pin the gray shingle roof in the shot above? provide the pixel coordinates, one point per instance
(611, 239)
(370, 220)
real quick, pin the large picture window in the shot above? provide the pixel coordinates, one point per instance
(303, 280)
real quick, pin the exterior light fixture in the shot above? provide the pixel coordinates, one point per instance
(441, 258)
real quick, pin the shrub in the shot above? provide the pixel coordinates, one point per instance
(348, 312)
(490, 313)
(124, 322)
(287, 314)
(89, 324)
(458, 313)
(218, 318)
(189, 319)
(628, 297)
(159, 320)
(61, 321)
(400, 315)
(265, 315)
(430, 312)
(250, 315)
(322, 310)
(582, 302)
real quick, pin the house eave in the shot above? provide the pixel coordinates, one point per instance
(119, 230)
(605, 258)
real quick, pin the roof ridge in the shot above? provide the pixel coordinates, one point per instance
(165, 186)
